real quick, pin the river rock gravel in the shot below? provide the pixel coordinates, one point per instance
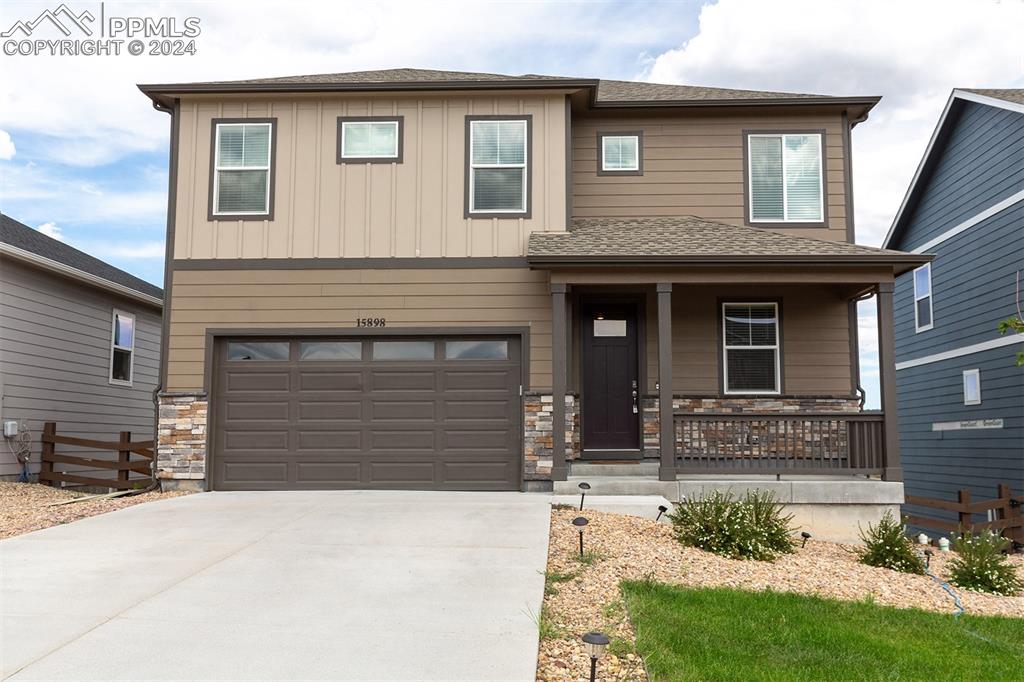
(627, 547)
(23, 506)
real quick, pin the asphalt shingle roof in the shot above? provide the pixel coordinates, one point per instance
(686, 237)
(23, 237)
(1015, 96)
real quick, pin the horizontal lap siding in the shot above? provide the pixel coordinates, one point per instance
(693, 164)
(292, 299)
(981, 163)
(55, 343)
(968, 300)
(939, 463)
(815, 339)
(329, 210)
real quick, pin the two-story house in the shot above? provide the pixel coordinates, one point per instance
(960, 393)
(446, 280)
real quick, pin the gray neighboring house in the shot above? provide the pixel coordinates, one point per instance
(79, 343)
(960, 393)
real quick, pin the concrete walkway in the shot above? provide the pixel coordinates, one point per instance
(298, 585)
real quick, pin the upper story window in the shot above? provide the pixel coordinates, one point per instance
(750, 333)
(243, 160)
(122, 348)
(370, 139)
(972, 387)
(498, 166)
(620, 153)
(923, 297)
(785, 178)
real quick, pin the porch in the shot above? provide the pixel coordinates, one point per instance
(746, 364)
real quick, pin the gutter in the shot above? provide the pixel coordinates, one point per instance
(81, 275)
(909, 259)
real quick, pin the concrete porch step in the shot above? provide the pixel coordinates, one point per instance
(618, 485)
(614, 469)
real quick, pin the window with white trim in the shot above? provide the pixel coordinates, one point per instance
(972, 387)
(923, 320)
(369, 140)
(122, 348)
(785, 178)
(750, 334)
(497, 166)
(620, 153)
(241, 178)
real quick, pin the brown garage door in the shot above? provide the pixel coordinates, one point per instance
(405, 412)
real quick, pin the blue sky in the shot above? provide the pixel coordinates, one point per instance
(83, 156)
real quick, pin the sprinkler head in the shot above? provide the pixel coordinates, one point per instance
(661, 510)
(806, 536)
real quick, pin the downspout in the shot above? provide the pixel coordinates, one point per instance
(172, 187)
(853, 317)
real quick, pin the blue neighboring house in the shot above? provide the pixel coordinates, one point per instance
(960, 393)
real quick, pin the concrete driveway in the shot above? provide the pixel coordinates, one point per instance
(297, 585)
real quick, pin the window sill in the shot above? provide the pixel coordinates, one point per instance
(369, 159)
(486, 215)
(229, 217)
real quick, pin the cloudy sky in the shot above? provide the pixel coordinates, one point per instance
(83, 156)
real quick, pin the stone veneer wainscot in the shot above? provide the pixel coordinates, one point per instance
(181, 440)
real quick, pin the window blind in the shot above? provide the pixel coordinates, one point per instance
(366, 139)
(498, 166)
(751, 347)
(785, 177)
(619, 152)
(242, 168)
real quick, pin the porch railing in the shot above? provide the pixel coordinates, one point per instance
(750, 443)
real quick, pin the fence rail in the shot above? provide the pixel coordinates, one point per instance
(780, 443)
(1005, 507)
(123, 448)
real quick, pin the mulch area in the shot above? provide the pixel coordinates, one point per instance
(23, 506)
(631, 548)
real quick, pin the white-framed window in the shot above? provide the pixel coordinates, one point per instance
(122, 348)
(784, 178)
(242, 173)
(923, 320)
(498, 181)
(972, 387)
(370, 139)
(750, 357)
(620, 153)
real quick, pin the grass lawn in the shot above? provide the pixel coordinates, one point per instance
(723, 634)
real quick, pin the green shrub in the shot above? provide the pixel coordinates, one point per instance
(752, 527)
(887, 546)
(980, 564)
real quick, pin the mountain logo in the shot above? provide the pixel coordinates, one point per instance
(57, 18)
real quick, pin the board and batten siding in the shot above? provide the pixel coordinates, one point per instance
(370, 210)
(693, 165)
(324, 298)
(55, 351)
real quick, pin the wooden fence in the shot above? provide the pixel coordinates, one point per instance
(1005, 507)
(123, 449)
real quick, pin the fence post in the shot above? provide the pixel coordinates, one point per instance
(124, 456)
(46, 452)
(1011, 512)
(964, 498)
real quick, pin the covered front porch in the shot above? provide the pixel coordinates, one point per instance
(680, 369)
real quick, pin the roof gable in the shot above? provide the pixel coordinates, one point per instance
(1010, 100)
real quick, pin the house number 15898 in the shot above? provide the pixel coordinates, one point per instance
(371, 322)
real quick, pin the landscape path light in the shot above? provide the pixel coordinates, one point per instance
(928, 558)
(580, 524)
(596, 643)
(584, 487)
(661, 510)
(806, 536)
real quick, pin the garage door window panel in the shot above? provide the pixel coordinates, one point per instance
(476, 350)
(258, 351)
(311, 351)
(403, 350)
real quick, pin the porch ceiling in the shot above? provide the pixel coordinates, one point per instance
(693, 241)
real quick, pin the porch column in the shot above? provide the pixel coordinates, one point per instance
(667, 470)
(891, 468)
(559, 339)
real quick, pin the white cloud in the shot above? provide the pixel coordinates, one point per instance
(51, 230)
(912, 52)
(7, 150)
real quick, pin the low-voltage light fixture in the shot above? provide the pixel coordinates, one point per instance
(584, 487)
(580, 524)
(928, 554)
(661, 510)
(596, 643)
(806, 536)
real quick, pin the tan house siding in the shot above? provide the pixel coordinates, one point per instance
(290, 299)
(330, 210)
(693, 165)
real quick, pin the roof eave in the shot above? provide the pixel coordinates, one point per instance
(900, 263)
(866, 103)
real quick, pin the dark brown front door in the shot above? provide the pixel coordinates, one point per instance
(610, 381)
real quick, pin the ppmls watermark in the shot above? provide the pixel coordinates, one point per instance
(83, 35)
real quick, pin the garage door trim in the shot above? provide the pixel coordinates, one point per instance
(214, 337)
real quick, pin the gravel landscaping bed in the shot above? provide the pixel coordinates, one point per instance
(23, 506)
(627, 547)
